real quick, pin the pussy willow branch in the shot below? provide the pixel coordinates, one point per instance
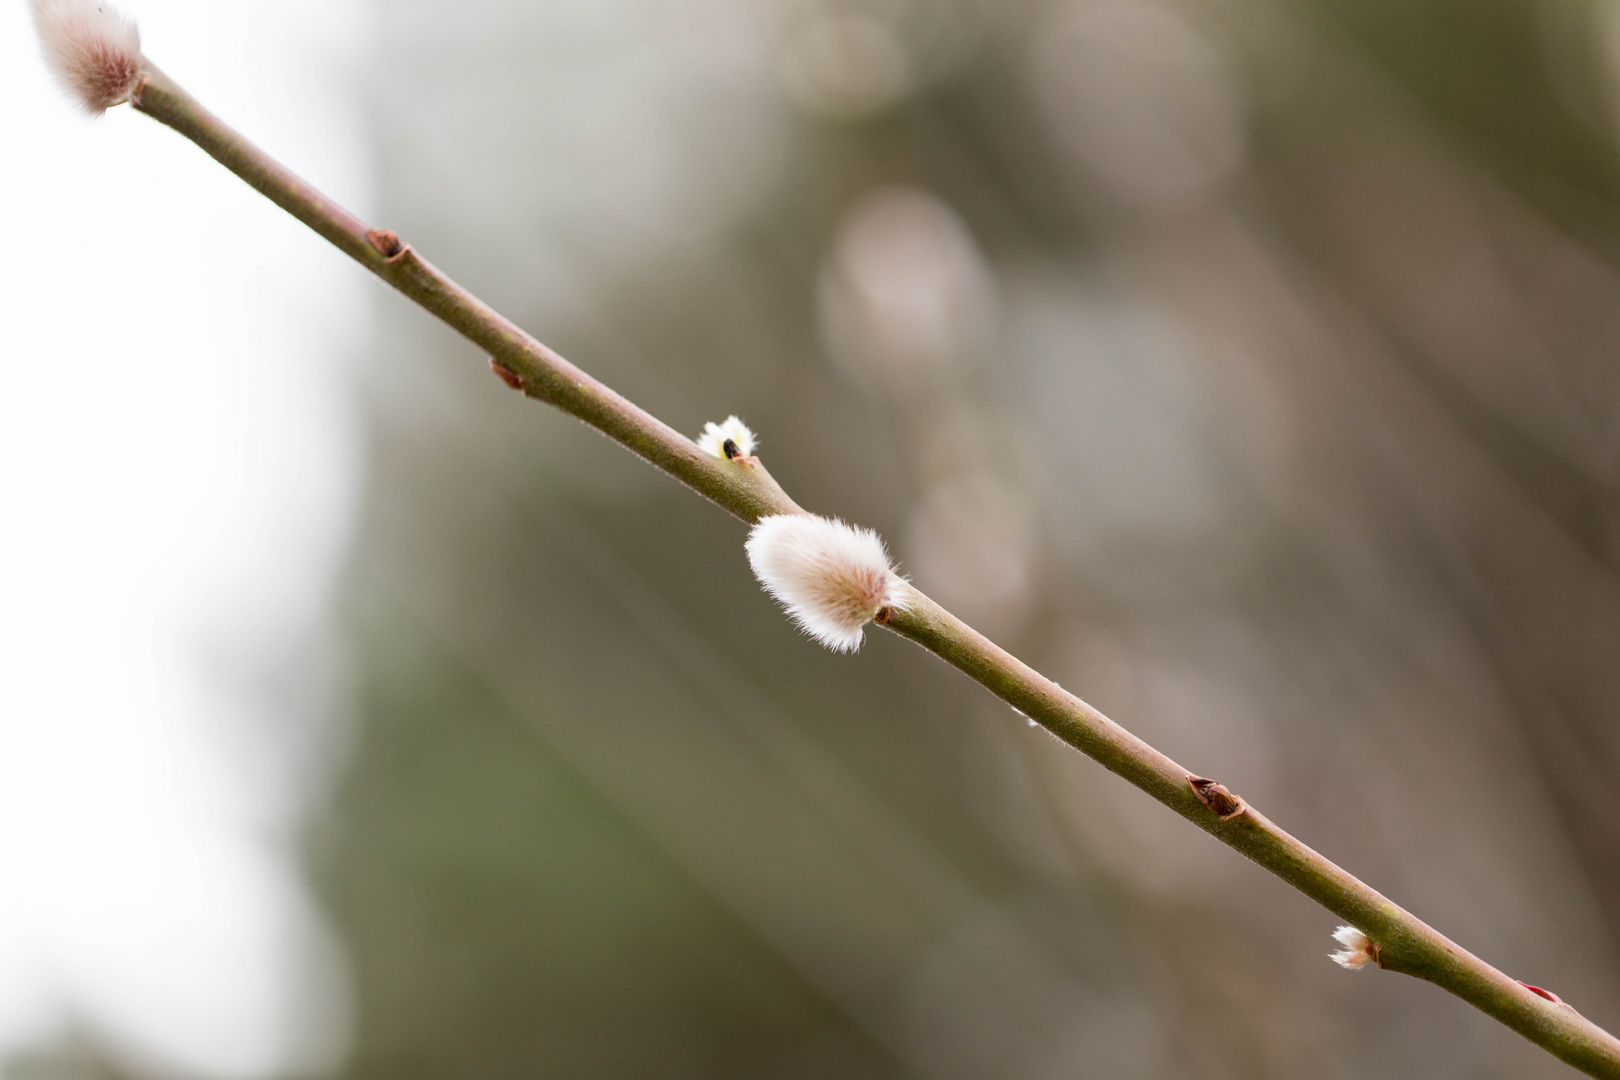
(1403, 942)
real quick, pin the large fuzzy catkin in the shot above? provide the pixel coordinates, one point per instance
(831, 577)
(94, 52)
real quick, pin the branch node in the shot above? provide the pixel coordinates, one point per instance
(1222, 802)
(386, 241)
(1539, 992)
(508, 376)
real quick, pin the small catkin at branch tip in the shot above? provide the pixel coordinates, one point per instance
(94, 52)
(832, 578)
(715, 436)
(1358, 951)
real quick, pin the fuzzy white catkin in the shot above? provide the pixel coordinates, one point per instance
(831, 577)
(713, 439)
(1357, 952)
(94, 52)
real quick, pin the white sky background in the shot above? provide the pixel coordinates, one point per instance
(178, 469)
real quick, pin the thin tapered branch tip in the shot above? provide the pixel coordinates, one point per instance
(94, 52)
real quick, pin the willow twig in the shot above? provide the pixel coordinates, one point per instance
(1397, 940)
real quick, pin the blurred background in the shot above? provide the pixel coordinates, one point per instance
(1249, 366)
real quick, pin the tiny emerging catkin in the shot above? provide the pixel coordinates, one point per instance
(94, 52)
(715, 436)
(832, 578)
(1358, 951)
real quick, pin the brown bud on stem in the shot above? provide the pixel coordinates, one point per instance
(508, 376)
(1215, 796)
(386, 241)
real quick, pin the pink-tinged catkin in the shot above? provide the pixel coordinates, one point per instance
(94, 52)
(832, 578)
(1358, 950)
